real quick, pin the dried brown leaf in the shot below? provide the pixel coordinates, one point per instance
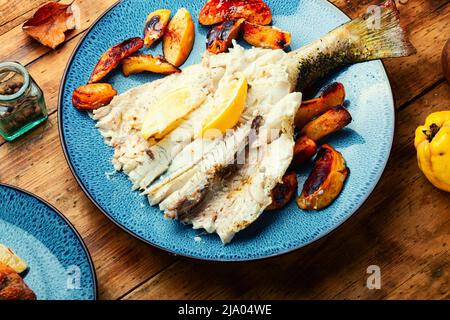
(49, 24)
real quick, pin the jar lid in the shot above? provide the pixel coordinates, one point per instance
(15, 67)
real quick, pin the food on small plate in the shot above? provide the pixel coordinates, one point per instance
(283, 193)
(331, 121)
(265, 36)
(220, 38)
(93, 96)
(326, 181)
(155, 26)
(49, 24)
(140, 62)
(332, 96)
(12, 286)
(113, 56)
(169, 111)
(223, 185)
(226, 113)
(179, 38)
(304, 150)
(217, 11)
(8, 257)
(433, 149)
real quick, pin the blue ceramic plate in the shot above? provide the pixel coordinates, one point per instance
(60, 267)
(366, 144)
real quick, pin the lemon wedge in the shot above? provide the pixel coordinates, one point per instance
(227, 112)
(168, 112)
(8, 257)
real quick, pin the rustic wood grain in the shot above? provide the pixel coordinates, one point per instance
(14, 13)
(402, 228)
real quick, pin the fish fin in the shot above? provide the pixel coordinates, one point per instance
(375, 35)
(378, 34)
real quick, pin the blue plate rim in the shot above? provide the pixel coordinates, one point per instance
(192, 257)
(70, 225)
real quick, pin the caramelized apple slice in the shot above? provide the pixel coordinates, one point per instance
(217, 11)
(304, 150)
(284, 191)
(155, 26)
(179, 38)
(331, 121)
(326, 180)
(332, 96)
(112, 57)
(138, 63)
(219, 39)
(265, 36)
(93, 96)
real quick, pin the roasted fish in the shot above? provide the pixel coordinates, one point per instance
(225, 184)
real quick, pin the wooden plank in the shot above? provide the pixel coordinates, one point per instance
(435, 276)
(14, 13)
(403, 228)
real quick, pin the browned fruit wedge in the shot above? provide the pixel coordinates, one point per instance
(332, 96)
(220, 38)
(265, 36)
(112, 57)
(93, 96)
(326, 181)
(331, 121)
(155, 26)
(304, 150)
(284, 192)
(217, 11)
(138, 63)
(179, 38)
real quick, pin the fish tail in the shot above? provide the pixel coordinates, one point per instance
(375, 35)
(378, 34)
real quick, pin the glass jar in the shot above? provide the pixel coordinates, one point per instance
(22, 104)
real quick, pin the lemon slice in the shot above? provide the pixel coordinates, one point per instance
(227, 112)
(168, 112)
(8, 257)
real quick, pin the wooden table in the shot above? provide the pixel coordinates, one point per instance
(404, 227)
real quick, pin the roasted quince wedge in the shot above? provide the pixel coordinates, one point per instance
(304, 150)
(217, 11)
(179, 38)
(326, 181)
(265, 36)
(220, 38)
(284, 191)
(155, 26)
(93, 96)
(113, 56)
(332, 96)
(138, 63)
(331, 121)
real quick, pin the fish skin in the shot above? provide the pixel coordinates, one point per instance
(238, 200)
